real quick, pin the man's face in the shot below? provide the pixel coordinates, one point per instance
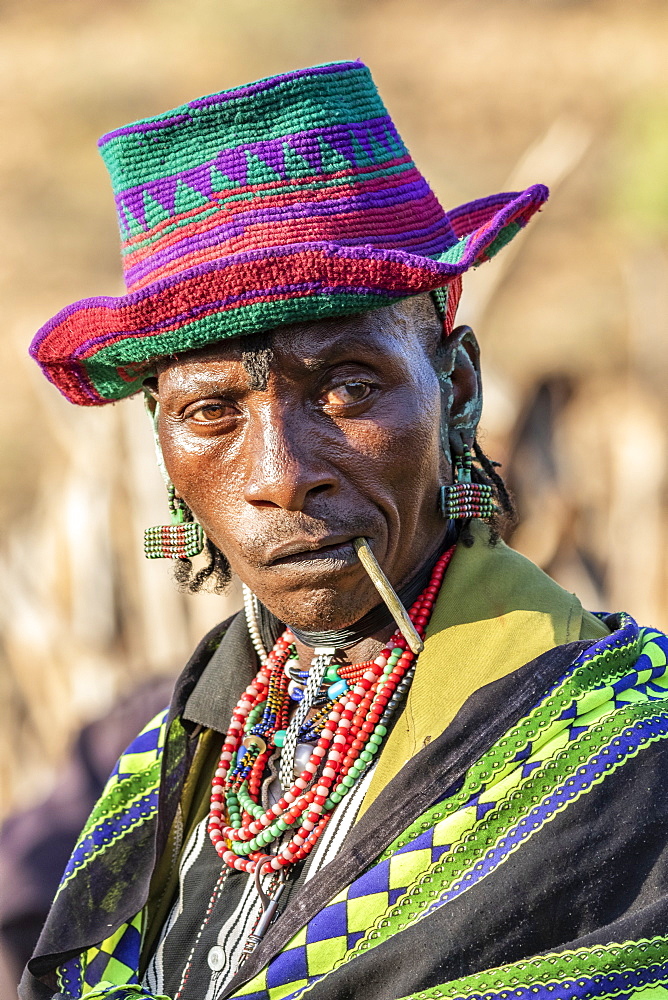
(343, 441)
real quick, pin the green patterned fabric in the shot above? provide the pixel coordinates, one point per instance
(637, 969)
(601, 721)
(107, 991)
(129, 800)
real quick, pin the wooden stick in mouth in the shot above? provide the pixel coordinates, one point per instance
(388, 595)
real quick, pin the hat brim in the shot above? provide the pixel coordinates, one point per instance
(99, 350)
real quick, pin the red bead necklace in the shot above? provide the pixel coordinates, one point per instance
(240, 828)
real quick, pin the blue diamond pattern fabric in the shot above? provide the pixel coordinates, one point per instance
(289, 966)
(329, 923)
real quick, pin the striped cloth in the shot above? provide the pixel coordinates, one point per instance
(217, 907)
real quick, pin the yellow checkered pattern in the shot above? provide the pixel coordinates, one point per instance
(330, 935)
(115, 959)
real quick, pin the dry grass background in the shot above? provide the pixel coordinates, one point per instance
(488, 94)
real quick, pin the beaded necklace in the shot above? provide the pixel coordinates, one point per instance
(350, 734)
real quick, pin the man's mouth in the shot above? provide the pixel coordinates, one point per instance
(333, 550)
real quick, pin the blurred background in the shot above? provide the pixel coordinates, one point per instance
(489, 95)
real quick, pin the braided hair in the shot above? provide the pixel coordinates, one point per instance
(483, 471)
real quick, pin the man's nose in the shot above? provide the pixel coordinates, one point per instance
(285, 470)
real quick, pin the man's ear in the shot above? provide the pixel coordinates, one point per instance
(150, 386)
(461, 388)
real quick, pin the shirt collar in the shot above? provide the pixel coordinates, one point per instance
(230, 669)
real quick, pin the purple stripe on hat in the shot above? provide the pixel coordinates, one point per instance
(200, 180)
(340, 137)
(408, 193)
(365, 143)
(342, 142)
(382, 137)
(308, 150)
(365, 177)
(427, 241)
(408, 187)
(273, 154)
(233, 163)
(147, 126)
(163, 191)
(274, 81)
(133, 203)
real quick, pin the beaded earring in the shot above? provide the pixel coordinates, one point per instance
(182, 539)
(464, 498)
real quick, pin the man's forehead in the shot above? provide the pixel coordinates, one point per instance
(314, 343)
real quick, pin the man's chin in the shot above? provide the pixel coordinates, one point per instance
(333, 598)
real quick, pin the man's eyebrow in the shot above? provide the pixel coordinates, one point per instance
(342, 346)
(211, 381)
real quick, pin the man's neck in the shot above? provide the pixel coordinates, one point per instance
(365, 649)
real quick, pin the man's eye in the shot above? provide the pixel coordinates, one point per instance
(344, 395)
(209, 413)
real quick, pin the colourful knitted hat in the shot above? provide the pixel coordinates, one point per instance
(290, 199)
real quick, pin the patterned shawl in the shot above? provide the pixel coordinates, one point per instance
(522, 854)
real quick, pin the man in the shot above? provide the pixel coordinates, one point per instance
(457, 791)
